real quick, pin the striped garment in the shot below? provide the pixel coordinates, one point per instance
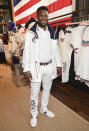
(25, 9)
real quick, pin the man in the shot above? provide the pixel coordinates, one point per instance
(41, 62)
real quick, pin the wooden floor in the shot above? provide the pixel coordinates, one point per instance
(76, 98)
(15, 110)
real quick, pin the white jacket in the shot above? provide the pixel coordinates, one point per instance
(31, 51)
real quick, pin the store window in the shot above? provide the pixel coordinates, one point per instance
(82, 15)
(82, 4)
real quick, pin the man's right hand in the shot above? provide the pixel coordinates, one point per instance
(28, 75)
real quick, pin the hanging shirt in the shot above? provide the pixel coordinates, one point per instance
(1, 46)
(85, 39)
(65, 52)
(77, 35)
(12, 45)
(44, 44)
(83, 69)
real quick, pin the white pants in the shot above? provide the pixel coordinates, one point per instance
(35, 89)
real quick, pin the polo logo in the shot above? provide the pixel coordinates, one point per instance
(34, 40)
(62, 39)
(64, 66)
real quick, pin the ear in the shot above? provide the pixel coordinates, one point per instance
(37, 17)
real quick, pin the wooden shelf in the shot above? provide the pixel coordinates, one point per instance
(3, 11)
(3, 23)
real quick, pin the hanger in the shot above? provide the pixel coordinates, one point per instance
(80, 23)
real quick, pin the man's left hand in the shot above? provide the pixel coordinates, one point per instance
(59, 71)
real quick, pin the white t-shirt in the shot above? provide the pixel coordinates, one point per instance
(83, 70)
(77, 35)
(45, 49)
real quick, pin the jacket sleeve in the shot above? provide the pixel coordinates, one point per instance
(26, 53)
(57, 55)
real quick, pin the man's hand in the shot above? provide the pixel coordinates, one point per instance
(28, 75)
(59, 71)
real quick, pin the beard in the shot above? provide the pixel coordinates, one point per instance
(42, 25)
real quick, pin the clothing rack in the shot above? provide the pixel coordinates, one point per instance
(82, 22)
(84, 19)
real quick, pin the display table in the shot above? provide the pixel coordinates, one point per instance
(18, 77)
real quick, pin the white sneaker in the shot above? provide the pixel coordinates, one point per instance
(33, 122)
(48, 113)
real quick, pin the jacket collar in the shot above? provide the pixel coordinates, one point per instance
(33, 29)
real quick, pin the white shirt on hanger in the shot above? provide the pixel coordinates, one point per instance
(77, 35)
(65, 52)
(83, 70)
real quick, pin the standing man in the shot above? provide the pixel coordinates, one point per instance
(41, 62)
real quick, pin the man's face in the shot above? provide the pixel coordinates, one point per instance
(42, 17)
